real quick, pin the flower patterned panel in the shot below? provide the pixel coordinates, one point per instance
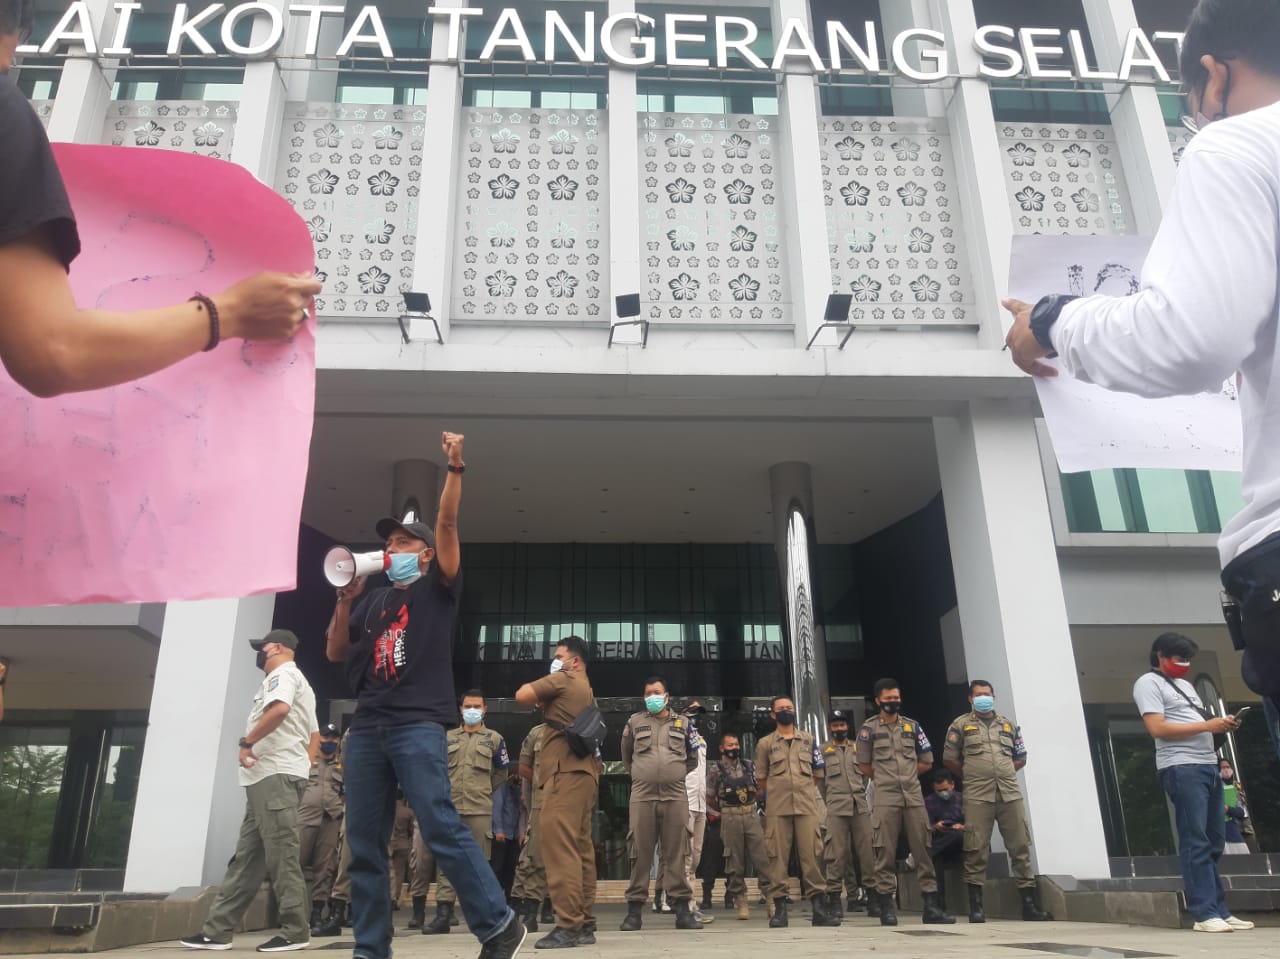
(1179, 137)
(352, 172)
(711, 240)
(192, 126)
(894, 224)
(44, 110)
(532, 228)
(1065, 179)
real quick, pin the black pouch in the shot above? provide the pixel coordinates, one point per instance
(1252, 581)
(586, 733)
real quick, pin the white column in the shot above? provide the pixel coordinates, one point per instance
(1135, 113)
(84, 90)
(624, 175)
(911, 100)
(190, 802)
(804, 213)
(433, 251)
(1014, 621)
(313, 85)
(988, 224)
(260, 116)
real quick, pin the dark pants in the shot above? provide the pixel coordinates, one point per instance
(416, 757)
(503, 860)
(1196, 794)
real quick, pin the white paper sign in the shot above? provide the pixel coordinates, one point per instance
(1093, 428)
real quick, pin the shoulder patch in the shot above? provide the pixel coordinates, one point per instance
(272, 683)
(865, 733)
(953, 737)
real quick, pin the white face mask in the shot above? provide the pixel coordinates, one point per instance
(557, 665)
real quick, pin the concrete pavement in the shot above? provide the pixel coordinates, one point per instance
(727, 938)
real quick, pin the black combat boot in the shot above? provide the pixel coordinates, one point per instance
(835, 905)
(888, 909)
(685, 919)
(933, 911)
(728, 899)
(317, 912)
(706, 899)
(419, 912)
(858, 901)
(635, 917)
(873, 904)
(975, 905)
(548, 914)
(440, 924)
(1031, 910)
(528, 910)
(344, 911)
(331, 925)
(820, 912)
(779, 919)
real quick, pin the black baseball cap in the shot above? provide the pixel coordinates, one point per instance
(285, 637)
(418, 530)
(330, 729)
(838, 716)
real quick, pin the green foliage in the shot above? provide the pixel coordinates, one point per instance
(30, 780)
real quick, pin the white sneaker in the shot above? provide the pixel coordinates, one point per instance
(1235, 923)
(1213, 925)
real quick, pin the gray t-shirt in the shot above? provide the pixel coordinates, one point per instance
(1153, 694)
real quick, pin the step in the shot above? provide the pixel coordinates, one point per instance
(1259, 864)
(61, 880)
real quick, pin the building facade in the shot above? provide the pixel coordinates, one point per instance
(629, 218)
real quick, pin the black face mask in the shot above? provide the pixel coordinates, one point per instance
(786, 717)
(262, 659)
(732, 753)
(841, 735)
(891, 708)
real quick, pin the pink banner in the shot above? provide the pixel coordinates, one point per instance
(186, 484)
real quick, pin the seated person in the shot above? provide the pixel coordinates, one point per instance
(946, 822)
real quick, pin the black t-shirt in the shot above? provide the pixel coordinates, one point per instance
(401, 660)
(31, 190)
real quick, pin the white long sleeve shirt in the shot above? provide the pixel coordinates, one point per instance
(1207, 307)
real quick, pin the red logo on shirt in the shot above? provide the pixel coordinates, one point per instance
(388, 654)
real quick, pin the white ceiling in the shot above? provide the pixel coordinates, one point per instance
(575, 478)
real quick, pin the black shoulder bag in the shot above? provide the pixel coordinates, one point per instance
(1219, 739)
(586, 733)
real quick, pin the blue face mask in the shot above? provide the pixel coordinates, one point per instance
(984, 704)
(404, 568)
(328, 748)
(472, 716)
(656, 703)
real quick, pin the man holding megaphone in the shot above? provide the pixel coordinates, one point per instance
(397, 644)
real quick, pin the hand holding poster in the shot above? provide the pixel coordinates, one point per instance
(1093, 428)
(186, 484)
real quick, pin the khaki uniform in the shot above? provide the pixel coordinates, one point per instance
(893, 750)
(402, 832)
(342, 881)
(478, 764)
(659, 752)
(732, 794)
(531, 875)
(792, 814)
(571, 785)
(848, 834)
(320, 825)
(988, 750)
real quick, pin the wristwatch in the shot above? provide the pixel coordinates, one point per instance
(245, 744)
(1044, 314)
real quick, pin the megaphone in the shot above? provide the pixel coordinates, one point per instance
(341, 566)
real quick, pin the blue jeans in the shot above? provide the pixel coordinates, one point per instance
(416, 757)
(1196, 793)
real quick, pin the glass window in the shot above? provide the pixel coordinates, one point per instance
(32, 762)
(158, 77)
(1226, 494)
(1166, 500)
(1147, 500)
(108, 841)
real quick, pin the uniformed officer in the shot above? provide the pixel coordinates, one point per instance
(733, 796)
(422, 873)
(320, 823)
(402, 830)
(894, 753)
(848, 814)
(659, 749)
(478, 762)
(530, 886)
(986, 748)
(788, 765)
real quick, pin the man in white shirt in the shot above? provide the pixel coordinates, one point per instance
(281, 739)
(1187, 766)
(1208, 307)
(695, 784)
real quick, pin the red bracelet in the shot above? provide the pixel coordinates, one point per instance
(215, 331)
